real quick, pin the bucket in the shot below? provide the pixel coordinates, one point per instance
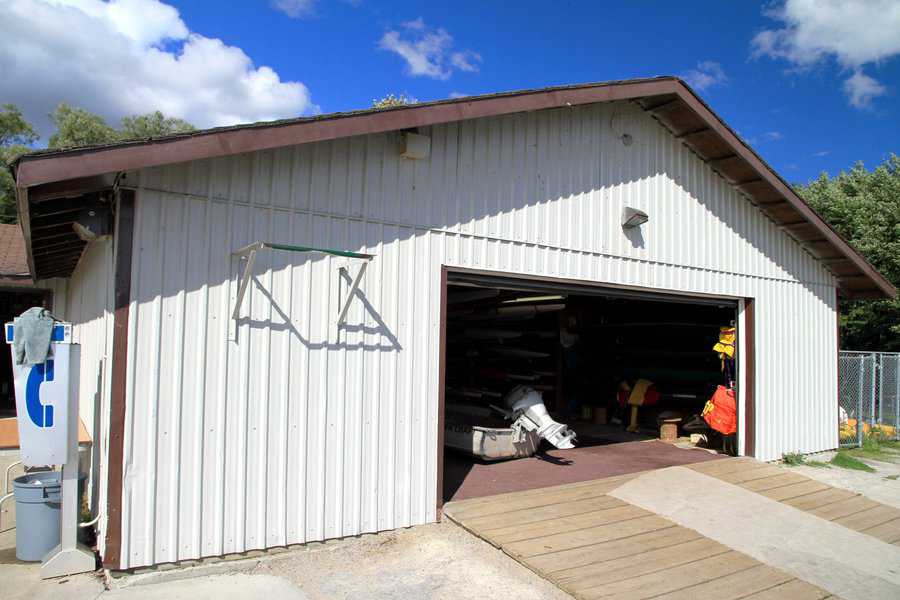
(38, 502)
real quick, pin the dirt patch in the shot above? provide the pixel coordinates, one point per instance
(439, 561)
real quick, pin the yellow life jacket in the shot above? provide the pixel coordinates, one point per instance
(725, 345)
(639, 393)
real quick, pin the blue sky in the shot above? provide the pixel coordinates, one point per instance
(813, 86)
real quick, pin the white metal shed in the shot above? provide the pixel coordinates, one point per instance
(285, 425)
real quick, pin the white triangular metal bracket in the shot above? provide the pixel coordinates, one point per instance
(342, 315)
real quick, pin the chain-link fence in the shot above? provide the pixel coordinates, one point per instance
(869, 393)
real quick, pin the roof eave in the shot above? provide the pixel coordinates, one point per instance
(24, 223)
(85, 163)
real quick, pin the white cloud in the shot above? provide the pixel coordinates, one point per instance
(862, 89)
(852, 32)
(295, 9)
(821, 153)
(126, 57)
(466, 60)
(707, 74)
(765, 137)
(455, 95)
(428, 52)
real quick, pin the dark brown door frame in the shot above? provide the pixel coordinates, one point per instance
(112, 555)
(749, 335)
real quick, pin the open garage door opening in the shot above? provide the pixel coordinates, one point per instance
(548, 383)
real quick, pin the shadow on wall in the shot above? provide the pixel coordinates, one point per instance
(286, 324)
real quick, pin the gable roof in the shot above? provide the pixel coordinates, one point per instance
(58, 176)
(13, 260)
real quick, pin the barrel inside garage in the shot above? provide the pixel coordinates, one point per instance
(617, 369)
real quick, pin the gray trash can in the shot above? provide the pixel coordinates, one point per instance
(38, 502)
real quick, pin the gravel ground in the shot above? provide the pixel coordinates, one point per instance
(440, 561)
(881, 486)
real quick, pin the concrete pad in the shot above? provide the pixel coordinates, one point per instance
(846, 563)
(23, 581)
(222, 587)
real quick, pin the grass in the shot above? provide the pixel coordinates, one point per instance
(892, 477)
(845, 460)
(877, 447)
(795, 459)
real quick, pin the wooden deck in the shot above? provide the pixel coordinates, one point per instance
(595, 546)
(833, 504)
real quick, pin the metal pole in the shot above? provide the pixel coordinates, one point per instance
(872, 392)
(881, 389)
(897, 396)
(859, 400)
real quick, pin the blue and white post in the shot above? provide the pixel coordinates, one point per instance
(47, 416)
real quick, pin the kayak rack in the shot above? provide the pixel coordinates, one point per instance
(248, 255)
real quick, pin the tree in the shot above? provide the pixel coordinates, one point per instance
(78, 127)
(390, 101)
(15, 135)
(150, 125)
(74, 127)
(864, 207)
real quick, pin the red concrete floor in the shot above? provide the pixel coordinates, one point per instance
(465, 477)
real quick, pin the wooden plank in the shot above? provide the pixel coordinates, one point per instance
(886, 532)
(792, 590)
(768, 483)
(583, 537)
(750, 474)
(506, 503)
(638, 544)
(582, 579)
(819, 499)
(732, 587)
(518, 533)
(542, 513)
(844, 508)
(725, 465)
(795, 490)
(867, 519)
(610, 481)
(673, 578)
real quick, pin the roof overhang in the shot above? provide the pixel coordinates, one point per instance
(69, 177)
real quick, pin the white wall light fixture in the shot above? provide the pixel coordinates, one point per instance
(415, 146)
(632, 217)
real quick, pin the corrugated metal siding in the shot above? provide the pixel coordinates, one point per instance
(295, 432)
(87, 304)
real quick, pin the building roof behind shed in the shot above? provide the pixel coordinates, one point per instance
(13, 257)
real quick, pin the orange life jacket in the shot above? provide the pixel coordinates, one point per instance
(721, 411)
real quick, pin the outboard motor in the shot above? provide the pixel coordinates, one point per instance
(526, 408)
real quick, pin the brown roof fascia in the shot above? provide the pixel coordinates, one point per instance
(48, 167)
(769, 175)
